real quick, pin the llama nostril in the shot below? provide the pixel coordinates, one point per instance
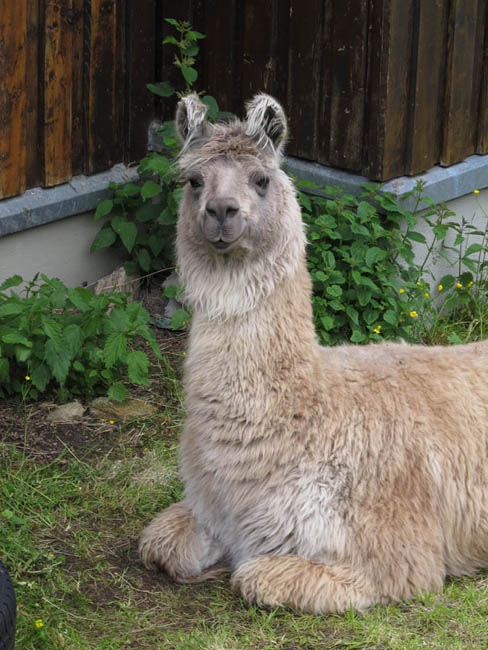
(222, 208)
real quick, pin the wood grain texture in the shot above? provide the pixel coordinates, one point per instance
(141, 70)
(13, 58)
(57, 89)
(428, 67)
(305, 66)
(388, 77)
(104, 112)
(462, 82)
(78, 123)
(482, 136)
(34, 172)
(345, 83)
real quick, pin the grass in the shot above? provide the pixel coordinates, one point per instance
(68, 532)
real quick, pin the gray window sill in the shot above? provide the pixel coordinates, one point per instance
(39, 206)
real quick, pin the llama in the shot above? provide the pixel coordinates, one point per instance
(322, 478)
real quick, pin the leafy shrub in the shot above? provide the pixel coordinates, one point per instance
(143, 218)
(70, 341)
(367, 284)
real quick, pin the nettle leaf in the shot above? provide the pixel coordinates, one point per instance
(162, 89)
(353, 314)
(148, 212)
(126, 230)
(22, 353)
(155, 244)
(4, 369)
(150, 189)
(334, 291)
(158, 164)
(390, 317)
(138, 367)
(14, 338)
(213, 107)
(72, 340)
(358, 337)
(474, 248)
(115, 348)
(117, 392)
(144, 260)
(11, 309)
(58, 361)
(416, 236)
(374, 255)
(328, 322)
(179, 319)
(14, 281)
(194, 35)
(103, 208)
(77, 297)
(190, 74)
(104, 238)
(40, 376)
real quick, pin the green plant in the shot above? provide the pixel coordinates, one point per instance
(70, 341)
(367, 283)
(142, 218)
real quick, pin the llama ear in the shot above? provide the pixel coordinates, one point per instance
(190, 119)
(266, 116)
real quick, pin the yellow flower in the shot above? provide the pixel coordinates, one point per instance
(413, 314)
(476, 191)
(419, 284)
(184, 354)
(27, 378)
(39, 623)
(470, 284)
(459, 285)
(377, 329)
(111, 422)
(440, 287)
(427, 295)
(402, 290)
(146, 450)
(51, 555)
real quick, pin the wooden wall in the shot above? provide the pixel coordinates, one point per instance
(73, 97)
(378, 87)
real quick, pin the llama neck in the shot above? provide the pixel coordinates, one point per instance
(280, 325)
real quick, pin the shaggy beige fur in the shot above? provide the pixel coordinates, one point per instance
(324, 477)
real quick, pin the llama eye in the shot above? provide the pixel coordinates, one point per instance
(262, 183)
(196, 182)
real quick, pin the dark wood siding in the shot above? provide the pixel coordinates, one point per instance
(378, 87)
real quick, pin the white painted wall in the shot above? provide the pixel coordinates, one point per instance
(59, 249)
(474, 208)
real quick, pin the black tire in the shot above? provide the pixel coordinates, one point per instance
(7, 611)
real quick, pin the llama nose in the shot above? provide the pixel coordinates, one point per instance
(222, 208)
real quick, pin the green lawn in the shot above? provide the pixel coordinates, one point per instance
(70, 517)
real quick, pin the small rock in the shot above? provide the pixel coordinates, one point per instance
(131, 409)
(66, 412)
(118, 281)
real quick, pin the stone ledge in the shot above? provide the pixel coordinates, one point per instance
(39, 206)
(442, 184)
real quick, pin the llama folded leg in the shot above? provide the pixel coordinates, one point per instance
(175, 542)
(292, 581)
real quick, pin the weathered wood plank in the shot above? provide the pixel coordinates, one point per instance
(219, 50)
(427, 85)
(256, 56)
(141, 69)
(305, 58)
(482, 139)
(388, 79)
(102, 91)
(345, 84)
(462, 83)
(13, 28)
(78, 122)
(34, 172)
(57, 89)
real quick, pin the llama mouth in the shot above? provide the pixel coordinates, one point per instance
(220, 244)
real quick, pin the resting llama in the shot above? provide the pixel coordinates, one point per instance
(323, 478)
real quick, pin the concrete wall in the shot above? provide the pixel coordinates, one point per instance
(59, 249)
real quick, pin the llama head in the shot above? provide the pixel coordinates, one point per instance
(239, 228)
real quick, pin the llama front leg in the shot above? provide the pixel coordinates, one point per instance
(301, 584)
(175, 542)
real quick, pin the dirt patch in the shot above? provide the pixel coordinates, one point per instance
(26, 426)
